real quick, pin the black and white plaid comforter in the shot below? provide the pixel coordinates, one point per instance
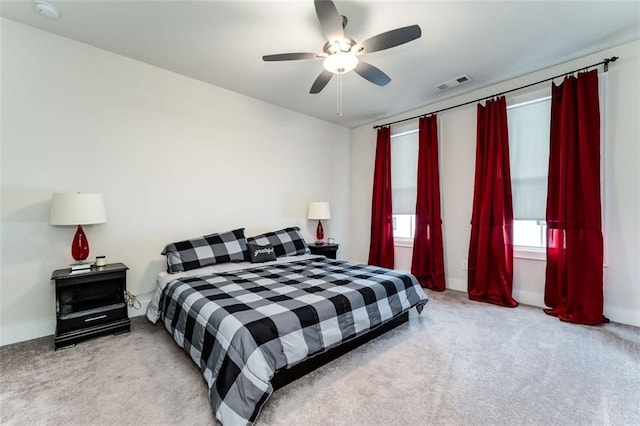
(242, 326)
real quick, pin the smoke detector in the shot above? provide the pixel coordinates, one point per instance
(47, 9)
(453, 82)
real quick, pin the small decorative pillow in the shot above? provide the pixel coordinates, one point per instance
(260, 254)
(285, 242)
(207, 250)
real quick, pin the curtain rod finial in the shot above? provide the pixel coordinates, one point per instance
(606, 62)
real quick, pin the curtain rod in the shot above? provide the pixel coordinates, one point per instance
(606, 68)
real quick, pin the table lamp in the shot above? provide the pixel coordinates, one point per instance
(319, 210)
(77, 209)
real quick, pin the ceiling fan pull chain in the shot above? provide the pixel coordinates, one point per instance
(339, 97)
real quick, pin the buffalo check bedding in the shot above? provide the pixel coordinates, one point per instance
(241, 326)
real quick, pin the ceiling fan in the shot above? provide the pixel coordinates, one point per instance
(341, 53)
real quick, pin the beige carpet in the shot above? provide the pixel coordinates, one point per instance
(459, 363)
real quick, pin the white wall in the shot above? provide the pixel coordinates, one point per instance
(457, 157)
(173, 157)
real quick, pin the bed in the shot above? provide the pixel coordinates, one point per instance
(253, 326)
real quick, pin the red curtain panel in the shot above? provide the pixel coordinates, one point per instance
(427, 263)
(381, 246)
(574, 275)
(491, 248)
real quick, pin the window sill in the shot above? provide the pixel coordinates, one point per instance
(403, 242)
(534, 253)
(530, 253)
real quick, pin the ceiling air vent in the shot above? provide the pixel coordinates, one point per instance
(453, 82)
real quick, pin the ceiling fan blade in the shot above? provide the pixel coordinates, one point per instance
(320, 82)
(330, 19)
(289, 56)
(390, 39)
(371, 73)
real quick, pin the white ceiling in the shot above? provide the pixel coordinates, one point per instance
(222, 43)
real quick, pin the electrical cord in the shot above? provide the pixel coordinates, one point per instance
(131, 300)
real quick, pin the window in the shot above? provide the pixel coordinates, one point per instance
(404, 225)
(529, 128)
(529, 233)
(404, 178)
(529, 119)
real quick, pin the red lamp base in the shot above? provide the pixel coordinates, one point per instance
(319, 232)
(80, 245)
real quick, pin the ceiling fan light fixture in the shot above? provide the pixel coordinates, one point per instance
(340, 62)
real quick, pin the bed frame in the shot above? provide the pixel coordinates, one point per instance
(285, 376)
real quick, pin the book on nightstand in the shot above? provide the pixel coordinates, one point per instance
(80, 266)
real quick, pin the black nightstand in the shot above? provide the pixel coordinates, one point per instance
(90, 303)
(328, 250)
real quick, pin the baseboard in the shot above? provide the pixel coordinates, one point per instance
(457, 284)
(35, 329)
(144, 300)
(536, 299)
(530, 298)
(22, 332)
(15, 333)
(525, 297)
(622, 315)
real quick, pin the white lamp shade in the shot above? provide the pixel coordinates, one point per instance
(77, 209)
(319, 210)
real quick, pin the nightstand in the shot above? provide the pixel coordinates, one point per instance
(328, 250)
(90, 303)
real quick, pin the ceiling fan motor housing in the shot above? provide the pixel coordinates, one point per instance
(344, 45)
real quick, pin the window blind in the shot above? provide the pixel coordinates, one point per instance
(529, 128)
(404, 172)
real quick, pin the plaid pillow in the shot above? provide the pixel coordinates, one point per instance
(285, 242)
(207, 250)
